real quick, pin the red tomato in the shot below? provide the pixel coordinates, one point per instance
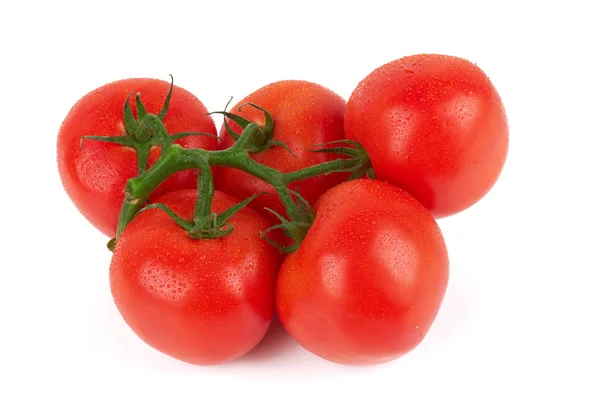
(304, 114)
(202, 301)
(368, 279)
(433, 125)
(94, 173)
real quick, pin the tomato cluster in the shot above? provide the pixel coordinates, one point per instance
(357, 267)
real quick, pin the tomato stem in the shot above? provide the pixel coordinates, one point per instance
(262, 139)
(143, 152)
(175, 158)
(341, 164)
(206, 192)
(143, 133)
(137, 190)
(205, 223)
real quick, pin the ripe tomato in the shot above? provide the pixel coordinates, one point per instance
(368, 279)
(433, 125)
(304, 114)
(202, 301)
(94, 173)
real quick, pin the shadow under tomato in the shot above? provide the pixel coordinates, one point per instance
(457, 311)
(276, 343)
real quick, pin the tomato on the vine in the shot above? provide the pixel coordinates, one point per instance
(94, 173)
(368, 279)
(304, 114)
(202, 301)
(433, 125)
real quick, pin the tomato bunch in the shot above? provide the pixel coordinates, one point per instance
(340, 237)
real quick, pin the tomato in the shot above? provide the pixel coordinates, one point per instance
(304, 114)
(367, 282)
(94, 173)
(202, 301)
(433, 125)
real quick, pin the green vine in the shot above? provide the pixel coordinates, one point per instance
(149, 131)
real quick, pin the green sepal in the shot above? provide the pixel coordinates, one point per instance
(230, 131)
(231, 211)
(182, 135)
(273, 143)
(208, 228)
(294, 230)
(239, 120)
(215, 225)
(128, 119)
(121, 140)
(219, 233)
(144, 133)
(284, 249)
(269, 127)
(163, 112)
(262, 138)
(141, 110)
(355, 151)
(182, 223)
(306, 211)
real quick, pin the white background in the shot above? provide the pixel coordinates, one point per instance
(520, 319)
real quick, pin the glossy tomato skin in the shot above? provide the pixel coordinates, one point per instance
(203, 301)
(94, 173)
(368, 279)
(305, 114)
(433, 125)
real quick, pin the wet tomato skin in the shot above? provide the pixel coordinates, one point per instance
(94, 173)
(369, 278)
(304, 114)
(204, 301)
(433, 125)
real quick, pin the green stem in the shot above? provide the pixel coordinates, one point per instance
(206, 192)
(286, 198)
(238, 158)
(175, 158)
(319, 169)
(143, 152)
